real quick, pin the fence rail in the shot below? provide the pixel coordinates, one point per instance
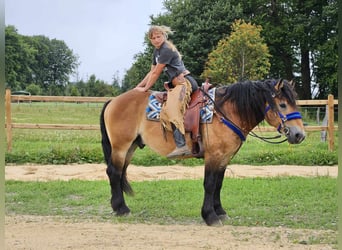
(330, 127)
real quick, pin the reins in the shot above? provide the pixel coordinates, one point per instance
(268, 139)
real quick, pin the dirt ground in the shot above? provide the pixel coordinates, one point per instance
(37, 232)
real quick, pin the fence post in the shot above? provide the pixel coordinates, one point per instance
(331, 122)
(8, 120)
(325, 123)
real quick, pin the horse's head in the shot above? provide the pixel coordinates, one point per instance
(284, 114)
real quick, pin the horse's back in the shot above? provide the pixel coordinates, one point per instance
(127, 102)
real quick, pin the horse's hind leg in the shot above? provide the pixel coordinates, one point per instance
(117, 174)
(117, 201)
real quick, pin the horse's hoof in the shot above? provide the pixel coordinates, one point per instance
(214, 221)
(217, 224)
(123, 214)
(223, 217)
(123, 211)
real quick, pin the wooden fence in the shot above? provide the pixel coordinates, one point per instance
(329, 127)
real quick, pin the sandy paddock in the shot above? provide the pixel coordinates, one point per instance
(37, 232)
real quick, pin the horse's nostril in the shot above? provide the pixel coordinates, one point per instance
(300, 137)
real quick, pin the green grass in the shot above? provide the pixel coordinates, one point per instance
(295, 202)
(56, 113)
(68, 146)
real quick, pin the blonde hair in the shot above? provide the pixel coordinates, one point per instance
(165, 30)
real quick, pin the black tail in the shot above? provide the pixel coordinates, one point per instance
(107, 152)
(106, 147)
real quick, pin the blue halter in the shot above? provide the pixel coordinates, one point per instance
(284, 118)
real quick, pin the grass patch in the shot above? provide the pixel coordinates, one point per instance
(295, 202)
(69, 146)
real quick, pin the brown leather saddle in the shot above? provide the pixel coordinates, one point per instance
(192, 116)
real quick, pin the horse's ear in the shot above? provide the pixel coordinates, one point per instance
(292, 83)
(279, 85)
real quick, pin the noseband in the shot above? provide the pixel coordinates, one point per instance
(284, 118)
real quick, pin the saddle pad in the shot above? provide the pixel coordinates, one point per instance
(154, 106)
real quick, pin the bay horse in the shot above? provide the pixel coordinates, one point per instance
(238, 108)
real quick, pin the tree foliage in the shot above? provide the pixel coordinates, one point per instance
(18, 55)
(54, 63)
(296, 31)
(92, 87)
(242, 55)
(37, 60)
(198, 25)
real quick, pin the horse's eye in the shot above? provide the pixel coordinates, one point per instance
(282, 105)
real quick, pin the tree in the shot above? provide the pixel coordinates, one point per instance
(275, 18)
(82, 88)
(62, 62)
(37, 59)
(116, 84)
(296, 31)
(325, 56)
(309, 35)
(325, 70)
(242, 55)
(198, 26)
(34, 89)
(97, 87)
(54, 62)
(18, 58)
(74, 91)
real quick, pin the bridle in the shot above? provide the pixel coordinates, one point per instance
(282, 128)
(284, 118)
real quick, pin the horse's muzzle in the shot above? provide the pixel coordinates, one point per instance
(294, 135)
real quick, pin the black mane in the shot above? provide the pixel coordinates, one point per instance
(249, 98)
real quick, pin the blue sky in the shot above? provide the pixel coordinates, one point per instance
(105, 34)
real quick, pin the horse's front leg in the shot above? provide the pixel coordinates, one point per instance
(220, 212)
(208, 211)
